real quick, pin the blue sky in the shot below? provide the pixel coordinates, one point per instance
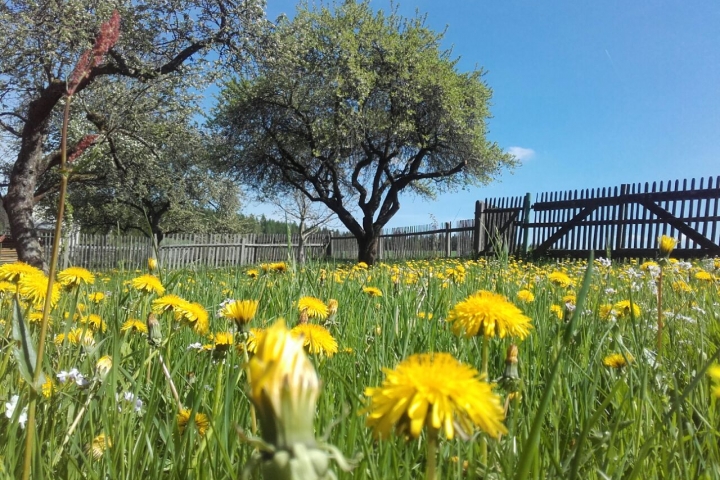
(588, 94)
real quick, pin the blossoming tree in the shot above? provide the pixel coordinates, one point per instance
(354, 107)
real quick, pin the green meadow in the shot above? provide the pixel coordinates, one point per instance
(576, 411)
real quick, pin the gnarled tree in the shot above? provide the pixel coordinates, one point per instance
(352, 108)
(42, 41)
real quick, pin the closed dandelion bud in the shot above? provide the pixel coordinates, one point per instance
(152, 264)
(303, 317)
(103, 367)
(154, 331)
(666, 245)
(284, 388)
(332, 309)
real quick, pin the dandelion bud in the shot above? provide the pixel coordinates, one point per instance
(154, 331)
(510, 380)
(152, 264)
(284, 388)
(103, 366)
(282, 380)
(666, 245)
(332, 306)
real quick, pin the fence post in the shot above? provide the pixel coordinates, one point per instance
(620, 237)
(448, 240)
(380, 245)
(242, 250)
(526, 224)
(478, 228)
(328, 248)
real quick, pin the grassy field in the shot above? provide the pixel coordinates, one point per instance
(574, 416)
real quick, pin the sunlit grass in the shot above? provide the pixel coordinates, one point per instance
(646, 419)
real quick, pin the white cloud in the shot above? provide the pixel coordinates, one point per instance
(521, 153)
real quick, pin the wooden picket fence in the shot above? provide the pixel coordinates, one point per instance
(106, 252)
(623, 221)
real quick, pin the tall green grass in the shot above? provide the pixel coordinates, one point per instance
(646, 420)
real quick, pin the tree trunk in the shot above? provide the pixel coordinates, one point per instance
(367, 248)
(301, 249)
(18, 202)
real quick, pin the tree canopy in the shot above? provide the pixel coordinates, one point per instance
(353, 107)
(161, 43)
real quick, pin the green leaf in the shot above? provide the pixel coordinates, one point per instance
(24, 352)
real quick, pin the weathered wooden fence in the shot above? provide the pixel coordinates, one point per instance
(104, 252)
(625, 220)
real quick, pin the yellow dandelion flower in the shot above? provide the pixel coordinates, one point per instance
(152, 264)
(316, 339)
(605, 311)
(557, 310)
(560, 279)
(253, 273)
(240, 311)
(95, 322)
(200, 421)
(681, 286)
(714, 374)
(425, 315)
(168, 303)
(569, 299)
(278, 267)
(148, 284)
(704, 276)
(134, 325)
(13, 272)
(222, 341)
(96, 297)
(255, 337)
(666, 245)
(98, 446)
(489, 314)
(103, 366)
(623, 309)
(372, 291)
(313, 307)
(194, 315)
(33, 288)
(48, 388)
(617, 360)
(73, 277)
(7, 287)
(525, 296)
(649, 265)
(437, 391)
(81, 336)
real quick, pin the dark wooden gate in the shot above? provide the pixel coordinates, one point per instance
(628, 220)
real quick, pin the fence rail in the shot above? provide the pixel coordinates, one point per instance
(625, 220)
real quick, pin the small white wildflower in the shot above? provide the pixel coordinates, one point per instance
(605, 262)
(195, 346)
(10, 408)
(610, 291)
